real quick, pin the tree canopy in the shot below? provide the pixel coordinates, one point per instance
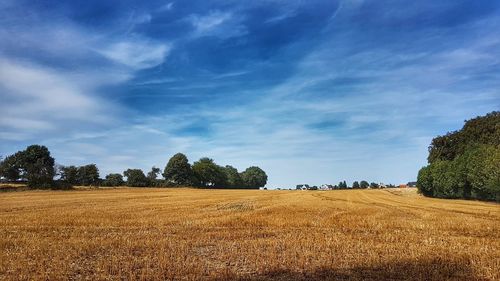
(33, 164)
(153, 174)
(37, 167)
(178, 171)
(364, 184)
(254, 177)
(233, 177)
(209, 174)
(136, 178)
(11, 167)
(69, 174)
(476, 131)
(113, 180)
(465, 163)
(88, 175)
(355, 184)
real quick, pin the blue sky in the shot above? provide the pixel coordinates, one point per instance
(311, 91)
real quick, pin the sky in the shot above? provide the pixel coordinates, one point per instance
(310, 91)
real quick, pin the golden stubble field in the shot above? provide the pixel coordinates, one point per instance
(185, 234)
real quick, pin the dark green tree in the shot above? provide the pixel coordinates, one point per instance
(39, 166)
(11, 167)
(136, 178)
(444, 147)
(254, 177)
(113, 180)
(374, 185)
(482, 172)
(465, 163)
(88, 175)
(476, 131)
(355, 184)
(445, 179)
(209, 174)
(69, 174)
(233, 177)
(153, 174)
(424, 181)
(364, 184)
(178, 171)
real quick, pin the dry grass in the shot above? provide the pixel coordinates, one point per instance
(153, 234)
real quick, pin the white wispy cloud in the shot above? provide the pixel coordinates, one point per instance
(218, 24)
(167, 7)
(209, 22)
(37, 99)
(63, 95)
(136, 54)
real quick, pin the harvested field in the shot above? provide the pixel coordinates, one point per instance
(185, 234)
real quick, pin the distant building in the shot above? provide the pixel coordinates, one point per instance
(412, 184)
(403, 185)
(326, 187)
(302, 187)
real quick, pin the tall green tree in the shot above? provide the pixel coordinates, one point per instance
(254, 177)
(11, 167)
(39, 166)
(113, 180)
(153, 174)
(233, 177)
(465, 163)
(69, 174)
(209, 174)
(88, 175)
(476, 131)
(178, 171)
(136, 178)
(424, 181)
(483, 172)
(343, 184)
(355, 184)
(364, 184)
(445, 179)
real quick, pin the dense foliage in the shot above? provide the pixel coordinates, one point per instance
(34, 164)
(113, 180)
(209, 174)
(364, 184)
(136, 177)
(465, 163)
(178, 171)
(87, 175)
(233, 177)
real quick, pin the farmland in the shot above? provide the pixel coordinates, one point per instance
(157, 234)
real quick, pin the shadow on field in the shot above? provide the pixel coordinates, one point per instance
(435, 269)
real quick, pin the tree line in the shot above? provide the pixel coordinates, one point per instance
(465, 163)
(343, 185)
(37, 167)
